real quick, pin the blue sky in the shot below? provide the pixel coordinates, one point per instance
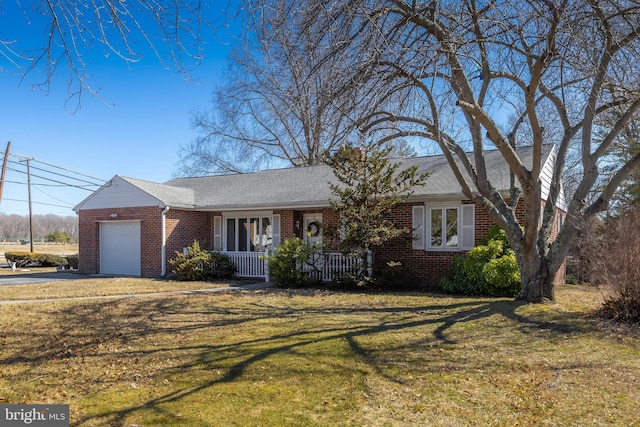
(135, 130)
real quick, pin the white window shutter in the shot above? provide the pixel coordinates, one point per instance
(275, 231)
(217, 233)
(418, 229)
(468, 227)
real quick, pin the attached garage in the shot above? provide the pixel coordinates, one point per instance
(120, 248)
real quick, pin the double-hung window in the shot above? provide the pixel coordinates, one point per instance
(443, 228)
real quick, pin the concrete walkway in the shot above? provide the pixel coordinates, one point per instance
(261, 285)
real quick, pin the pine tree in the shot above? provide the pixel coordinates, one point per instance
(370, 184)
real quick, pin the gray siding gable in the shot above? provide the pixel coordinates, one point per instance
(120, 192)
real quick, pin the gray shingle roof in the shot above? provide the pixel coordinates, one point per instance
(168, 194)
(308, 186)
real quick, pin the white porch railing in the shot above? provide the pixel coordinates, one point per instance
(331, 265)
(328, 266)
(248, 264)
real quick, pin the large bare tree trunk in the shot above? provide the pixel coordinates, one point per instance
(537, 280)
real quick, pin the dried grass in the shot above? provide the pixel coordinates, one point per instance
(316, 358)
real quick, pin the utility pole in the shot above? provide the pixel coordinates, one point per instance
(4, 168)
(30, 210)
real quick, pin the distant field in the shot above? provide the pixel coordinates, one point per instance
(45, 248)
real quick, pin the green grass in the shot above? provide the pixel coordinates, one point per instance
(318, 358)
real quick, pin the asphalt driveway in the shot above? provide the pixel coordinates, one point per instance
(30, 278)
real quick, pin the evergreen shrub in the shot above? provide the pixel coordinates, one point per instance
(489, 269)
(198, 264)
(292, 262)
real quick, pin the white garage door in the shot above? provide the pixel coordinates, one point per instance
(120, 248)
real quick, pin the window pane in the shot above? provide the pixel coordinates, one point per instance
(436, 227)
(267, 234)
(452, 227)
(231, 234)
(254, 232)
(243, 235)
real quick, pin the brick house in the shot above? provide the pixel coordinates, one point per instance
(132, 227)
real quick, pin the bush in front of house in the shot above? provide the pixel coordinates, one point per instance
(198, 264)
(489, 269)
(292, 263)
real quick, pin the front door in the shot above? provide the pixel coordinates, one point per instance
(312, 228)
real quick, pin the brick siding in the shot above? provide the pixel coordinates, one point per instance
(150, 237)
(182, 228)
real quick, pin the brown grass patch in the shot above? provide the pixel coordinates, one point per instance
(101, 286)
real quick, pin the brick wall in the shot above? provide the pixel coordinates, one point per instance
(150, 237)
(427, 267)
(288, 219)
(182, 228)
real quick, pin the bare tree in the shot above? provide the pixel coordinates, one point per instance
(74, 30)
(625, 147)
(14, 227)
(285, 99)
(452, 72)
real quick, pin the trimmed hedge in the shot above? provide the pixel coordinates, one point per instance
(23, 259)
(72, 261)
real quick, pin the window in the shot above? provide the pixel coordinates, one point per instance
(443, 227)
(248, 233)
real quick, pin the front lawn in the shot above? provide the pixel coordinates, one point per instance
(100, 286)
(319, 358)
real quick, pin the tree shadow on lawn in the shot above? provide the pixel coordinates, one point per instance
(127, 323)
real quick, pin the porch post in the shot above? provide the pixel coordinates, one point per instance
(267, 276)
(370, 263)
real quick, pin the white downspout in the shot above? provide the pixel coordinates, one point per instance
(164, 241)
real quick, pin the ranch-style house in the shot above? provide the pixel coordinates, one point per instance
(133, 227)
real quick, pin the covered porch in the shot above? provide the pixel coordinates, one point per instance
(328, 266)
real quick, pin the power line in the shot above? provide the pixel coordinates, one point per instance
(49, 176)
(82, 187)
(65, 176)
(42, 184)
(99, 180)
(67, 170)
(91, 186)
(34, 202)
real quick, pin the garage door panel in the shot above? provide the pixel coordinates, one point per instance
(120, 248)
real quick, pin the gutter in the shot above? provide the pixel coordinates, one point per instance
(164, 242)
